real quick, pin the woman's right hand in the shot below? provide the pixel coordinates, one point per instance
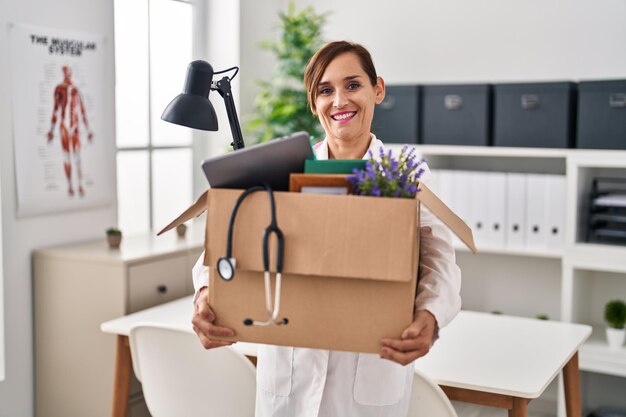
(202, 321)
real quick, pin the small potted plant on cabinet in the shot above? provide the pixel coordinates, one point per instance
(114, 237)
(615, 317)
(181, 229)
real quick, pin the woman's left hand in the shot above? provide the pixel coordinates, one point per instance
(415, 341)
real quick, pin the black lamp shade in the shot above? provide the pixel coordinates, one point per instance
(192, 108)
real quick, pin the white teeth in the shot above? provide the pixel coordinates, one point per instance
(344, 116)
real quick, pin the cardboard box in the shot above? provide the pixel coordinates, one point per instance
(350, 265)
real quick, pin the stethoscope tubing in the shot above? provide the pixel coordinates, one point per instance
(272, 312)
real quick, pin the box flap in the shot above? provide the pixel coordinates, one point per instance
(324, 235)
(443, 212)
(194, 210)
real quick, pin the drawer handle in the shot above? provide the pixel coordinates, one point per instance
(162, 289)
(530, 101)
(617, 100)
(388, 103)
(453, 102)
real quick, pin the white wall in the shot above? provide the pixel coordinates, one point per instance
(447, 41)
(21, 236)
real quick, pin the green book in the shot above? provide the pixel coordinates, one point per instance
(333, 166)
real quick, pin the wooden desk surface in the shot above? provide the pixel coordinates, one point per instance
(477, 351)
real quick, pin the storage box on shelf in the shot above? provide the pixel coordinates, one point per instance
(397, 118)
(601, 114)
(79, 286)
(456, 114)
(534, 114)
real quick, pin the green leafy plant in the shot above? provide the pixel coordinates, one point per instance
(542, 317)
(281, 107)
(112, 231)
(615, 314)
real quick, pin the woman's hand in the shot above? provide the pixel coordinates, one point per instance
(203, 318)
(415, 342)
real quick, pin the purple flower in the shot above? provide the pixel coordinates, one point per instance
(388, 176)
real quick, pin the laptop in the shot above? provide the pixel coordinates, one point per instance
(270, 162)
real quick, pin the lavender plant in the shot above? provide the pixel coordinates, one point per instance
(386, 176)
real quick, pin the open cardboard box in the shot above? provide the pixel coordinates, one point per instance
(349, 271)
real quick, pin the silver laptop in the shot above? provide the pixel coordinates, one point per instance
(270, 162)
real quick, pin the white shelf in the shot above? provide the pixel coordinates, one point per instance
(591, 155)
(596, 356)
(499, 250)
(596, 257)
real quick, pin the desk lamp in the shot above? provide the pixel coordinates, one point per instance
(193, 109)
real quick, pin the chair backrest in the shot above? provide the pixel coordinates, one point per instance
(428, 400)
(181, 378)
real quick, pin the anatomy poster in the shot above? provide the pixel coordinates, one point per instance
(63, 160)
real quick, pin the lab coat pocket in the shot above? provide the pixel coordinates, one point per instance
(378, 381)
(274, 369)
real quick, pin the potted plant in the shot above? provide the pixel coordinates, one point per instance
(281, 106)
(114, 237)
(181, 229)
(615, 317)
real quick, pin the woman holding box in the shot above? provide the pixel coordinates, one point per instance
(343, 89)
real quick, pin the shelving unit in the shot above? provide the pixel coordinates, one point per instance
(570, 284)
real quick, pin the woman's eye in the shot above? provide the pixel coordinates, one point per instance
(353, 86)
(325, 91)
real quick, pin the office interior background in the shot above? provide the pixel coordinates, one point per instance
(412, 42)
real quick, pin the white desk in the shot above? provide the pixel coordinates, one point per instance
(499, 361)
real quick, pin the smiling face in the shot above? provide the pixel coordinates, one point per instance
(345, 99)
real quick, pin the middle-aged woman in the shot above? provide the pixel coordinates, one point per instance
(343, 89)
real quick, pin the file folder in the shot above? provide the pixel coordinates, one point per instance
(536, 209)
(478, 206)
(462, 197)
(496, 209)
(555, 211)
(516, 210)
(462, 194)
(445, 186)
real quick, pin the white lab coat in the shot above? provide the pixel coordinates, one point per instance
(299, 382)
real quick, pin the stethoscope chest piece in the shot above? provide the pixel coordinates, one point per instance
(226, 268)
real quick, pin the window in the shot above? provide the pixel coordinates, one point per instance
(153, 46)
(1, 301)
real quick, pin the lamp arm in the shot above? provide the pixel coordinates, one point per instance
(223, 87)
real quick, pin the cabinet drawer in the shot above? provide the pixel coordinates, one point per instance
(157, 282)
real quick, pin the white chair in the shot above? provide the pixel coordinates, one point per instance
(428, 400)
(182, 379)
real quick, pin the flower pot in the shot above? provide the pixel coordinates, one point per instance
(181, 229)
(615, 337)
(114, 241)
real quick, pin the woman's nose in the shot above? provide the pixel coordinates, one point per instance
(339, 99)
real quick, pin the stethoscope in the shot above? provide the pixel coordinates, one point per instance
(226, 264)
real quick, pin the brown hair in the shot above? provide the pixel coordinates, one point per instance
(322, 58)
